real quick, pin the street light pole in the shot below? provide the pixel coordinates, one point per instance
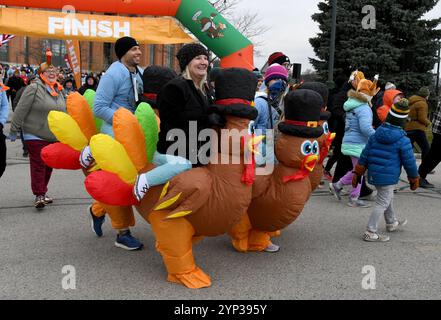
(438, 71)
(332, 48)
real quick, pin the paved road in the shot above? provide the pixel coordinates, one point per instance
(322, 253)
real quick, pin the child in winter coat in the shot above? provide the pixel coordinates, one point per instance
(387, 150)
(358, 129)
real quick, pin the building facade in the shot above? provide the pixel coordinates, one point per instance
(95, 56)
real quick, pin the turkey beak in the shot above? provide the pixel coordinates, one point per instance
(332, 136)
(310, 162)
(254, 142)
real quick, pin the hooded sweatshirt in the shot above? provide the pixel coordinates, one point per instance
(388, 101)
(387, 150)
(419, 110)
(358, 126)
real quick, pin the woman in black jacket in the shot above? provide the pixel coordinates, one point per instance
(91, 83)
(184, 102)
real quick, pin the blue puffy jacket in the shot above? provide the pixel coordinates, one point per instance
(386, 151)
(358, 127)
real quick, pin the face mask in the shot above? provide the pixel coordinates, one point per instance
(276, 89)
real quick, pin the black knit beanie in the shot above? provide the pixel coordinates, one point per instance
(188, 52)
(123, 45)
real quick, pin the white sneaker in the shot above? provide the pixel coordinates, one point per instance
(396, 225)
(335, 191)
(272, 248)
(375, 237)
(141, 187)
(86, 158)
(358, 203)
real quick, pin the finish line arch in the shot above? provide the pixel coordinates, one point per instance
(199, 16)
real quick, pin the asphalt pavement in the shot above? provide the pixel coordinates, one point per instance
(322, 255)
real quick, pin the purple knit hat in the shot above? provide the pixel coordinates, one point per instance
(276, 71)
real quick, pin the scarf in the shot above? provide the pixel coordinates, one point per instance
(3, 87)
(52, 87)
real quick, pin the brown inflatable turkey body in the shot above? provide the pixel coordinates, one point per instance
(326, 139)
(206, 201)
(279, 198)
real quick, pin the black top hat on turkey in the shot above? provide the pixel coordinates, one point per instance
(323, 90)
(235, 90)
(154, 78)
(302, 114)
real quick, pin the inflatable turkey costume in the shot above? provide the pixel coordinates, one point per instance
(74, 130)
(205, 201)
(325, 141)
(279, 198)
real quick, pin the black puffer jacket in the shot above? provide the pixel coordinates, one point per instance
(179, 102)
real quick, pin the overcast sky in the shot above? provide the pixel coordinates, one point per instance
(291, 27)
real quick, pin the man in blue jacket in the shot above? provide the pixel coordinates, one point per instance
(120, 87)
(4, 112)
(386, 151)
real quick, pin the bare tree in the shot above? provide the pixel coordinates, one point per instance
(247, 23)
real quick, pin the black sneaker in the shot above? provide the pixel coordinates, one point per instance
(426, 184)
(39, 202)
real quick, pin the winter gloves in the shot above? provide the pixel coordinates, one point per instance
(358, 172)
(414, 183)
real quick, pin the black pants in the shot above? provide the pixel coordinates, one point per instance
(419, 137)
(336, 154)
(344, 164)
(2, 151)
(433, 157)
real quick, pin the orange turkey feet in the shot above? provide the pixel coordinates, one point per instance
(275, 234)
(174, 241)
(258, 240)
(195, 279)
(239, 234)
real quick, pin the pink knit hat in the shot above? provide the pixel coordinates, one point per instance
(276, 71)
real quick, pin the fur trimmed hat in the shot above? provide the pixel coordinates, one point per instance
(356, 76)
(368, 87)
(399, 113)
(188, 52)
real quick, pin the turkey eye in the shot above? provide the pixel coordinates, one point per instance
(326, 128)
(306, 148)
(315, 148)
(251, 127)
